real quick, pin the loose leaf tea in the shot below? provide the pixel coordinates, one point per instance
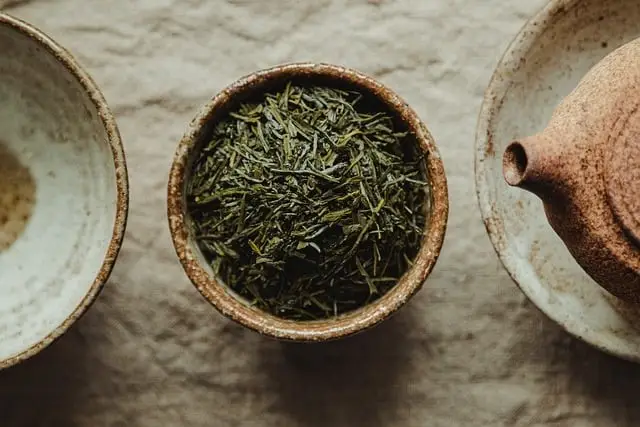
(307, 203)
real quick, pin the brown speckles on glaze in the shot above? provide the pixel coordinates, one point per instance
(17, 197)
(262, 322)
(47, 46)
(585, 167)
(519, 100)
(489, 149)
(629, 311)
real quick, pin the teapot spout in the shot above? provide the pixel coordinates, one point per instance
(534, 164)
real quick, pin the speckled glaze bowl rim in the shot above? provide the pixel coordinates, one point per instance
(122, 180)
(321, 330)
(498, 86)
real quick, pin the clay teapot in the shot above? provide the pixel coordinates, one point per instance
(585, 167)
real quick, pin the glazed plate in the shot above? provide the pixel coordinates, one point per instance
(545, 62)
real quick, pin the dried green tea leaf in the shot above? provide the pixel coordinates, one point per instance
(309, 202)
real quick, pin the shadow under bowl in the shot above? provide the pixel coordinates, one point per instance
(63, 191)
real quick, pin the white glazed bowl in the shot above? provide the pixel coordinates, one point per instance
(544, 64)
(63, 191)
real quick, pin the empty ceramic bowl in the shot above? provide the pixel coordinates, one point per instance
(63, 191)
(201, 273)
(545, 63)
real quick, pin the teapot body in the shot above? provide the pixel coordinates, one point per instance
(585, 167)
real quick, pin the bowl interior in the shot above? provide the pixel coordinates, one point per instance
(377, 98)
(58, 191)
(544, 64)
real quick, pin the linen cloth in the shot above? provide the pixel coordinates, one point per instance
(469, 350)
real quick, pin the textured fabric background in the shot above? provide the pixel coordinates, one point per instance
(469, 350)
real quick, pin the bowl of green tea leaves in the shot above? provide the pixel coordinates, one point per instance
(307, 202)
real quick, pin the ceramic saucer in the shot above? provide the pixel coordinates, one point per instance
(544, 63)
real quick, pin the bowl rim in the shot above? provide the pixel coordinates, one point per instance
(498, 86)
(122, 180)
(349, 323)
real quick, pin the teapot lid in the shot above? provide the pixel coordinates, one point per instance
(622, 177)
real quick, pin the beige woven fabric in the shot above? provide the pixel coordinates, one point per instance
(469, 350)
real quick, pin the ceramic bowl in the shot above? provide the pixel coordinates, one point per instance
(543, 65)
(222, 297)
(63, 191)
